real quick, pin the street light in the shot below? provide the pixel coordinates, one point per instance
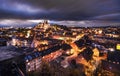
(111, 49)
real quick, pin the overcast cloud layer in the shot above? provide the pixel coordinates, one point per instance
(75, 10)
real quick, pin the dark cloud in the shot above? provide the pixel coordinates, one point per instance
(60, 9)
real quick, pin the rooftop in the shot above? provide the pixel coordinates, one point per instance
(8, 52)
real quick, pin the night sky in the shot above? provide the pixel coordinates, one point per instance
(12, 11)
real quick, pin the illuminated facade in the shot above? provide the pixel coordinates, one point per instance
(118, 46)
(34, 60)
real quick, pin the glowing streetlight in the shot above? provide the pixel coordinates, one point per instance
(111, 49)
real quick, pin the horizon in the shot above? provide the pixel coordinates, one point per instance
(69, 23)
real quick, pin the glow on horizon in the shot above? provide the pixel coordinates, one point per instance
(37, 21)
(29, 22)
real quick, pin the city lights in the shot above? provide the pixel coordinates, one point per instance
(87, 49)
